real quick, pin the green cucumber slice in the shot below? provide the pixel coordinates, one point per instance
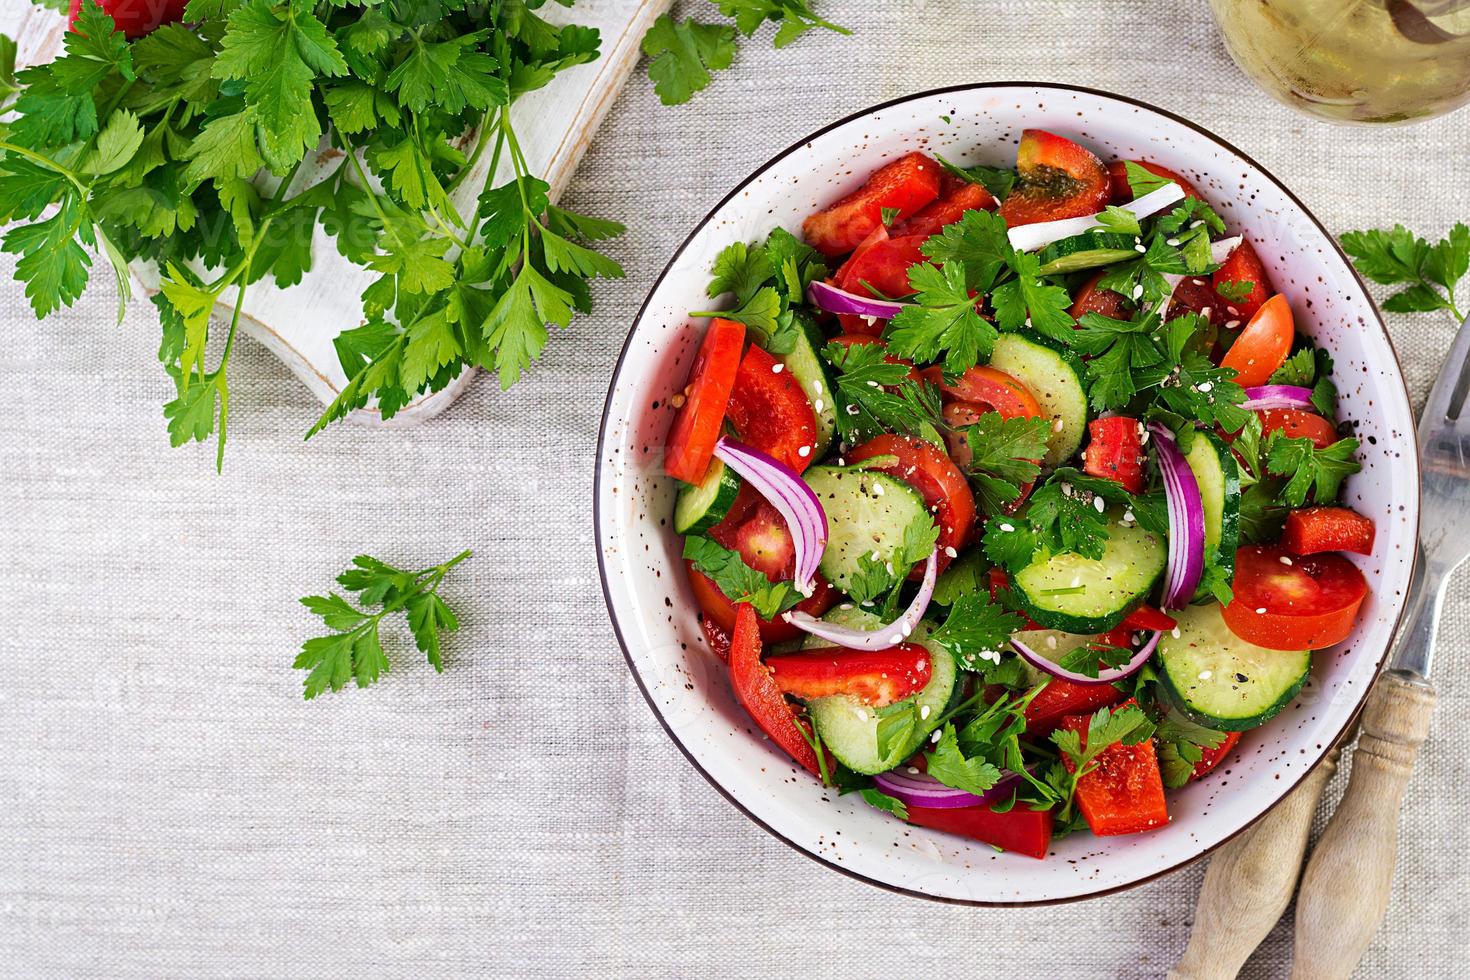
(1221, 681)
(807, 367)
(867, 513)
(1218, 476)
(1092, 595)
(700, 506)
(1053, 375)
(849, 728)
(1086, 251)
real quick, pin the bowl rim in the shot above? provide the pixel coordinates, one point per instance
(1329, 747)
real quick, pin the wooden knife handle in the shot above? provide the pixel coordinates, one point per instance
(1250, 882)
(1346, 885)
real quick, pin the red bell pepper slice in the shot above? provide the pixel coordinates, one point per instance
(1116, 451)
(877, 678)
(757, 692)
(1123, 190)
(1021, 830)
(956, 196)
(1124, 793)
(1061, 698)
(906, 184)
(1317, 529)
(1148, 618)
(1210, 758)
(696, 429)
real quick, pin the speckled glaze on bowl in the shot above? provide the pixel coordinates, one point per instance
(654, 613)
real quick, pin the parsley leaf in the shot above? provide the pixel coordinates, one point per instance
(1126, 724)
(943, 319)
(737, 580)
(976, 630)
(353, 651)
(1028, 300)
(874, 396)
(683, 54)
(1003, 455)
(997, 180)
(1398, 257)
(1313, 472)
(884, 802)
(948, 764)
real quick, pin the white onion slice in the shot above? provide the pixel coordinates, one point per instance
(1028, 238)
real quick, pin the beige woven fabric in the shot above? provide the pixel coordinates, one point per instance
(169, 807)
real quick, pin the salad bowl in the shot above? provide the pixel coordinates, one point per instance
(654, 612)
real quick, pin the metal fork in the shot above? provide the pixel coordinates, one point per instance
(1345, 888)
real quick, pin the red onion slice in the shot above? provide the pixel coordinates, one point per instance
(923, 790)
(1028, 238)
(1186, 521)
(1278, 396)
(790, 495)
(885, 636)
(834, 300)
(1106, 676)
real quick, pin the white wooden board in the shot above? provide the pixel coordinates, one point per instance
(554, 125)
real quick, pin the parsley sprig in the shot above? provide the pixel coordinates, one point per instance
(184, 148)
(1429, 273)
(353, 651)
(737, 580)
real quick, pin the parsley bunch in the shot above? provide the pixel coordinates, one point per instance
(183, 147)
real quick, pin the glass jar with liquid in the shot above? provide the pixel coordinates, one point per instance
(1354, 60)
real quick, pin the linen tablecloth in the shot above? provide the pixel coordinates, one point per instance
(170, 807)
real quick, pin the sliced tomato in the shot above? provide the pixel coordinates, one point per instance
(1263, 345)
(1115, 451)
(1061, 698)
(1314, 530)
(757, 692)
(770, 411)
(1125, 793)
(696, 429)
(1196, 295)
(1295, 424)
(906, 184)
(1242, 265)
(132, 17)
(1122, 191)
(994, 391)
(882, 269)
(875, 237)
(1286, 602)
(956, 196)
(877, 678)
(1211, 757)
(923, 466)
(1020, 829)
(1092, 298)
(717, 638)
(1058, 179)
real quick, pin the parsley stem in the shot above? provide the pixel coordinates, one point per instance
(481, 140)
(45, 161)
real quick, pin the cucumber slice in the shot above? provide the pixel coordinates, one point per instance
(1051, 644)
(807, 367)
(1053, 375)
(1218, 476)
(850, 728)
(1086, 251)
(1220, 680)
(1092, 595)
(867, 513)
(700, 506)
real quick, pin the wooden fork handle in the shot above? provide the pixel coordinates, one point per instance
(1250, 882)
(1346, 885)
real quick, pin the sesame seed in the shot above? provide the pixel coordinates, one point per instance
(817, 404)
(804, 451)
(1139, 248)
(877, 489)
(1205, 675)
(1098, 503)
(1261, 611)
(1172, 242)
(925, 711)
(1138, 291)
(1196, 224)
(1205, 386)
(777, 368)
(1285, 560)
(817, 385)
(1051, 642)
(1174, 633)
(938, 734)
(1232, 324)
(913, 770)
(1206, 312)
(1058, 425)
(949, 550)
(1008, 528)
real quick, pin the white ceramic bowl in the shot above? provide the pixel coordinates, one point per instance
(655, 616)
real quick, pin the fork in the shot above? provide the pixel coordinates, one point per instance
(1345, 888)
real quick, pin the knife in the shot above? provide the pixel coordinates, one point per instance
(1345, 887)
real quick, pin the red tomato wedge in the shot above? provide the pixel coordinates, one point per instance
(878, 235)
(770, 411)
(1125, 793)
(1195, 295)
(1093, 299)
(1123, 191)
(994, 391)
(1295, 424)
(1116, 451)
(1263, 345)
(1242, 265)
(1061, 698)
(1210, 758)
(956, 196)
(1285, 602)
(1020, 830)
(135, 17)
(696, 429)
(1317, 529)
(906, 184)
(1058, 179)
(717, 637)
(876, 678)
(757, 692)
(923, 466)
(882, 269)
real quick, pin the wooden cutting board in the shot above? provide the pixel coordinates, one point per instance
(297, 324)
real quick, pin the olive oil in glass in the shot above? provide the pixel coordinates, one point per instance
(1354, 60)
